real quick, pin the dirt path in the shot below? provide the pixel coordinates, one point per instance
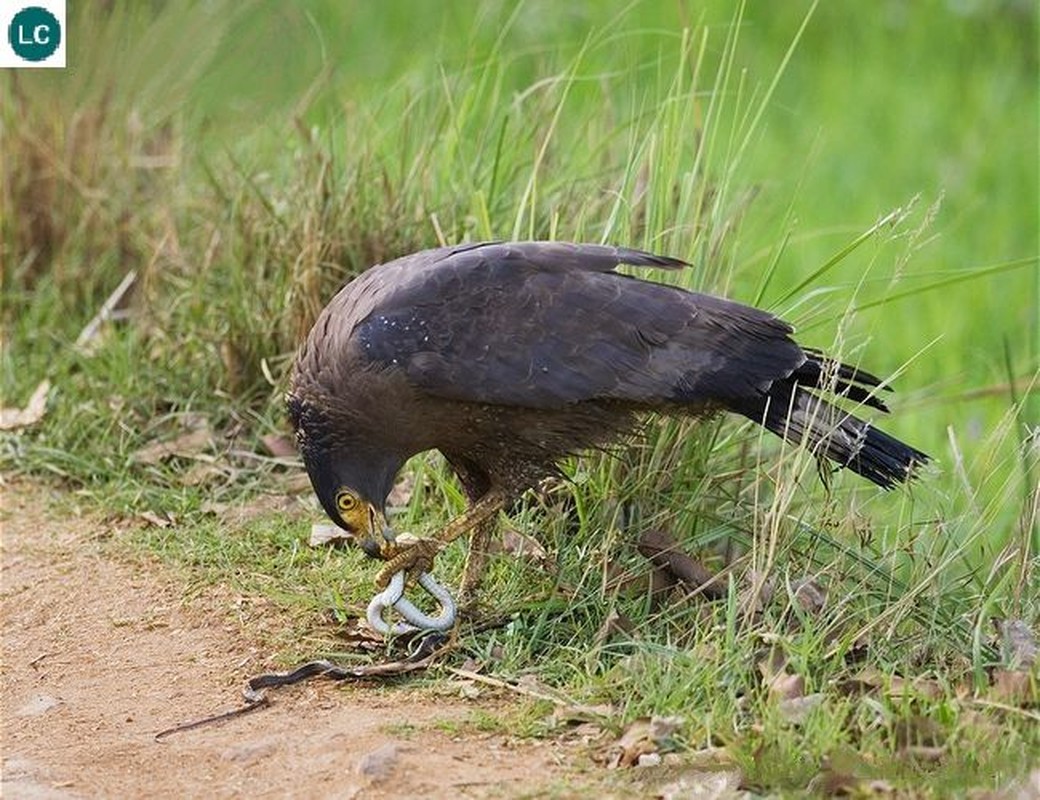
(89, 650)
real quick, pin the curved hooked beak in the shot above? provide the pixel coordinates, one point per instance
(378, 536)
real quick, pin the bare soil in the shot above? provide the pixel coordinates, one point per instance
(100, 655)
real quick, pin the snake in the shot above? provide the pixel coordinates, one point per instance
(428, 648)
(415, 619)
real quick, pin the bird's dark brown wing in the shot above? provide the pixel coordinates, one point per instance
(546, 325)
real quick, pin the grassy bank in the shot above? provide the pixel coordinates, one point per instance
(868, 173)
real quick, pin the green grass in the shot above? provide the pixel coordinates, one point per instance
(867, 172)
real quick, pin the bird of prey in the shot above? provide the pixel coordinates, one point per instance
(507, 357)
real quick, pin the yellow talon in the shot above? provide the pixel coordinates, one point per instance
(407, 553)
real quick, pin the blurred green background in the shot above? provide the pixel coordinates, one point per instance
(878, 104)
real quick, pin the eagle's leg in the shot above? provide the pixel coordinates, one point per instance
(477, 484)
(416, 556)
(476, 562)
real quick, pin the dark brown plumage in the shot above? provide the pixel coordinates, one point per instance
(508, 357)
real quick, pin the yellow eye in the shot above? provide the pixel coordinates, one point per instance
(346, 501)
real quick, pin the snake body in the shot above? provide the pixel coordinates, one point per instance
(415, 619)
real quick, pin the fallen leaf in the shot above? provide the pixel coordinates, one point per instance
(203, 472)
(586, 732)
(519, 545)
(864, 681)
(774, 663)
(641, 737)
(796, 710)
(325, 533)
(14, 418)
(900, 688)
(355, 634)
(634, 742)
(187, 445)
(577, 714)
(529, 683)
(809, 594)
(1013, 687)
(401, 493)
(662, 729)
(895, 687)
(844, 772)
(279, 445)
(786, 686)
(297, 483)
(708, 758)
(158, 520)
(665, 553)
(786, 690)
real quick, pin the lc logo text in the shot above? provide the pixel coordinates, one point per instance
(41, 35)
(34, 34)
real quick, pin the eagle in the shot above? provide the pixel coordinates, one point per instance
(510, 356)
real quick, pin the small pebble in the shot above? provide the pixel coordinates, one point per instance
(379, 763)
(37, 705)
(249, 752)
